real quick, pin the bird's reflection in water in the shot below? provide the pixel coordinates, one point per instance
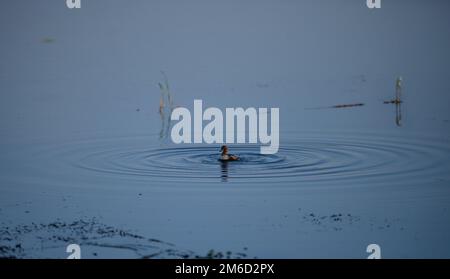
(224, 171)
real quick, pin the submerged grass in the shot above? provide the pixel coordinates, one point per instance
(165, 94)
(165, 106)
(398, 92)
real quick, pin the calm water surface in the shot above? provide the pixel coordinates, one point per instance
(83, 157)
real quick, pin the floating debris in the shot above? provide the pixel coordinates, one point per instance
(47, 40)
(340, 106)
(334, 222)
(341, 221)
(220, 255)
(262, 85)
(396, 102)
(348, 105)
(38, 240)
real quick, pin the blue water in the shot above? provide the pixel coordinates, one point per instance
(311, 158)
(85, 156)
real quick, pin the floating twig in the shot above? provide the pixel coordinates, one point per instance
(348, 105)
(341, 106)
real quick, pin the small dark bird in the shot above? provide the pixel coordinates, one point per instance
(224, 156)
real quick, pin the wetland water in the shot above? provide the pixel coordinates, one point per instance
(85, 157)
